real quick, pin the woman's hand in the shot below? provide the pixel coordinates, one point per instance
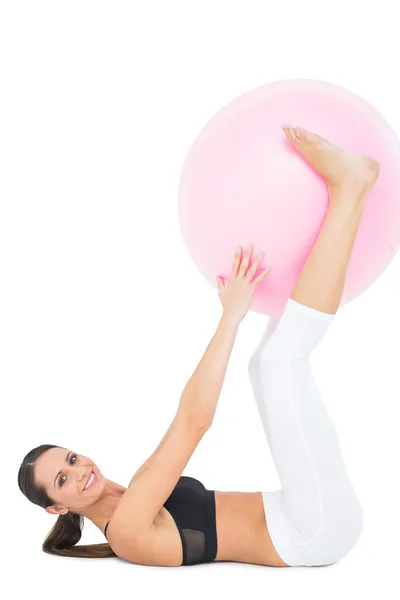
(237, 294)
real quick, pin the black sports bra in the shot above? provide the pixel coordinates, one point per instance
(192, 507)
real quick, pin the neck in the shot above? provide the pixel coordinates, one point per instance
(102, 510)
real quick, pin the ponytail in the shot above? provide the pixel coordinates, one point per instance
(67, 532)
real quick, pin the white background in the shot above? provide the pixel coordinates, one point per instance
(104, 316)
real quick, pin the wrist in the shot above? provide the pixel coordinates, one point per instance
(229, 321)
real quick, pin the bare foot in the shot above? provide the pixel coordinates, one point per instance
(338, 167)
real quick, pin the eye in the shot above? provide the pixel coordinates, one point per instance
(60, 482)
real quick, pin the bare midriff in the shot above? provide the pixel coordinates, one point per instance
(242, 531)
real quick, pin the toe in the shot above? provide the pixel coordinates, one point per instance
(293, 136)
(288, 133)
(301, 134)
(315, 139)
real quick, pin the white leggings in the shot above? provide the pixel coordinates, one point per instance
(315, 518)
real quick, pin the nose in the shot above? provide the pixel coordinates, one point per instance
(81, 476)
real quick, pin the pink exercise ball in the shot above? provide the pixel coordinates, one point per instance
(243, 182)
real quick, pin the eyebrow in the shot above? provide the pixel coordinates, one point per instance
(66, 460)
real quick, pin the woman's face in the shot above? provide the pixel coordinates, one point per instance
(64, 474)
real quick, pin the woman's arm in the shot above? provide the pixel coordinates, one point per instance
(148, 462)
(200, 396)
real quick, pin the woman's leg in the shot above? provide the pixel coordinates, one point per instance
(316, 518)
(349, 180)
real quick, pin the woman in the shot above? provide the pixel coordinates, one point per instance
(165, 519)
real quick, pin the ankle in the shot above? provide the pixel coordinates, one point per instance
(351, 191)
(357, 180)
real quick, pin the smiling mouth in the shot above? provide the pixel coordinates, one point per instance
(91, 481)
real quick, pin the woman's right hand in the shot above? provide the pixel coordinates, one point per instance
(237, 293)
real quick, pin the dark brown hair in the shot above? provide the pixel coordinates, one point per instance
(67, 530)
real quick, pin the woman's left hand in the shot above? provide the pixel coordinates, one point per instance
(237, 294)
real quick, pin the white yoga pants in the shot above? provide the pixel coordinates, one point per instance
(315, 518)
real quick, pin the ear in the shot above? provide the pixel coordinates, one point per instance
(55, 510)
